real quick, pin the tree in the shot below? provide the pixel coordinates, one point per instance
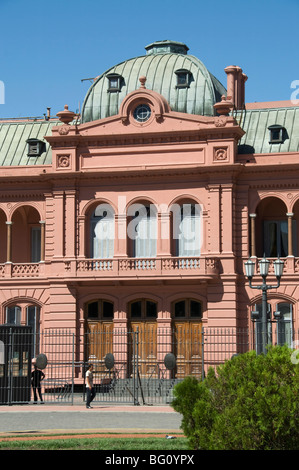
(250, 403)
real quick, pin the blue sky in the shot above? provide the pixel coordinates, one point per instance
(48, 47)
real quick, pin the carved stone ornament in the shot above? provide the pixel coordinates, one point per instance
(63, 161)
(63, 130)
(220, 121)
(220, 154)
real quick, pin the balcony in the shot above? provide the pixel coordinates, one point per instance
(205, 267)
(22, 270)
(128, 268)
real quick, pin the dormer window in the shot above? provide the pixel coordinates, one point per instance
(115, 82)
(277, 134)
(35, 147)
(183, 78)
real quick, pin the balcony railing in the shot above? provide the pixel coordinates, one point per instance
(143, 267)
(21, 270)
(132, 267)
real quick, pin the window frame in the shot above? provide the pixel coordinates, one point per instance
(143, 316)
(187, 74)
(187, 315)
(272, 130)
(100, 310)
(118, 78)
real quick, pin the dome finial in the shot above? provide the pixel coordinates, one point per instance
(142, 80)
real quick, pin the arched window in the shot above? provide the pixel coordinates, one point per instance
(102, 232)
(142, 230)
(100, 310)
(187, 232)
(187, 309)
(143, 309)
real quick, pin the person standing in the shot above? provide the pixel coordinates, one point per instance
(90, 391)
(36, 377)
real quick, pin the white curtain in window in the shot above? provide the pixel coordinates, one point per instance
(145, 243)
(188, 243)
(102, 228)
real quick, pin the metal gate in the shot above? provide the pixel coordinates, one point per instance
(52, 352)
(133, 367)
(15, 363)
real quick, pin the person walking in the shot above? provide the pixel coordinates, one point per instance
(90, 391)
(36, 377)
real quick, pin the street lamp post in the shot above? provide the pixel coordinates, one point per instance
(264, 269)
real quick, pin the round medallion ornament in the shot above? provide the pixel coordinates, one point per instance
(142, 113)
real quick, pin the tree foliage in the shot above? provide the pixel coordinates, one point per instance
(250, 403)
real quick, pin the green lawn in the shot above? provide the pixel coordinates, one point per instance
(110, 443)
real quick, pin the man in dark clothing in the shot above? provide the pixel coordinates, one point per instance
(36, 377)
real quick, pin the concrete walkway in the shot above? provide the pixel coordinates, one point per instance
(52, 418)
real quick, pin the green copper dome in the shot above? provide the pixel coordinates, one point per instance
(182, 79)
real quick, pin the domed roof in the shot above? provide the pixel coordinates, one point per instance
(181, 79)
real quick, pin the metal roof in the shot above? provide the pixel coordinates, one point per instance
(256, 122)
(13, 137)
(158, 66)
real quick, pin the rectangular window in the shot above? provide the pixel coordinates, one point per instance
(35, 244)
(276, 238)
(284, 324)
(13, 315)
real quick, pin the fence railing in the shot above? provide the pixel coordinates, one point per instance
(135, 367)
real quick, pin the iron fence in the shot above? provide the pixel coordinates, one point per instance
(134, 367)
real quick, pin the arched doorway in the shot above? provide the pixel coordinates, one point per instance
(142, 318)
(187, 332)
(26, 235)
(99, 331)
(272, 228)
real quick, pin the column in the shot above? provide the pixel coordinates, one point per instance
(227, 218)
(214, 238)
(164, 234)
(70, 223)
(290, 233)
(58, 223)
(9, 242)
(252, 234)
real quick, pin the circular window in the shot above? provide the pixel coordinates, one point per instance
(142, 113)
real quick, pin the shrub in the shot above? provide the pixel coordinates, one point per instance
(251, 403)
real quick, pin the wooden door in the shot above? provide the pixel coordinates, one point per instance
(99, 343)
(188, 348)
(147, 348)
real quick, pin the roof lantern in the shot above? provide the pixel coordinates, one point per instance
(166, 46)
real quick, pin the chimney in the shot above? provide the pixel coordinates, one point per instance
(236, 85)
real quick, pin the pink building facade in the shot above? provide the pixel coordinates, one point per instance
(141, 211)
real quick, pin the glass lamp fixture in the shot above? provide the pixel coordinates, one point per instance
(249, 268)
(278, 267)
(264, 267)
